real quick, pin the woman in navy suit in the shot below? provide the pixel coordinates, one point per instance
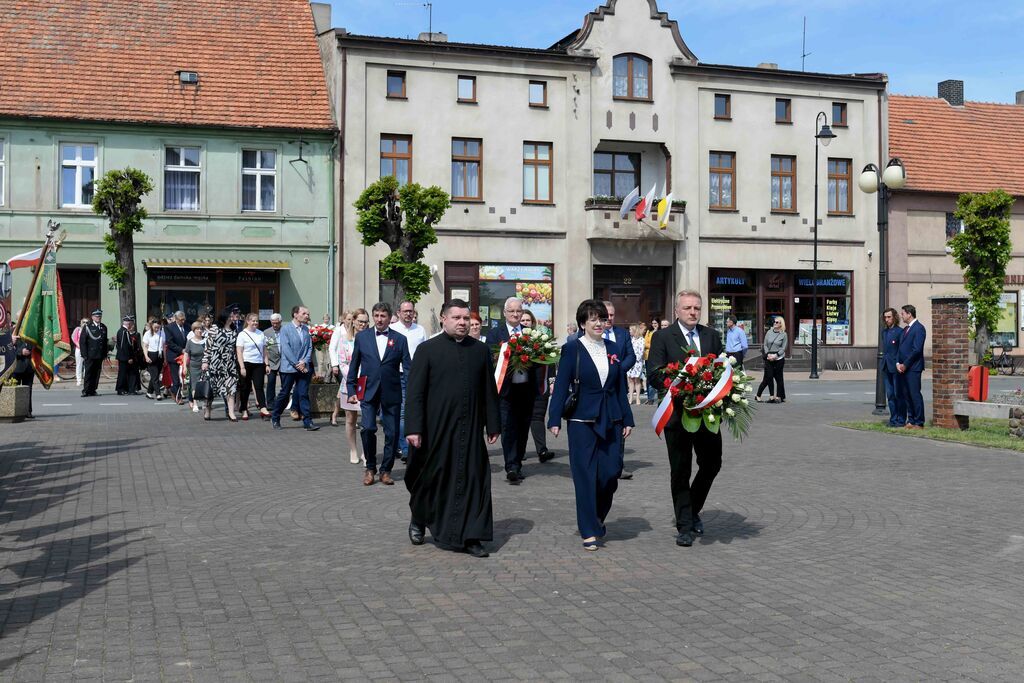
(600, 423)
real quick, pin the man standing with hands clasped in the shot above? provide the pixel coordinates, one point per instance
(296, 368)
(910, 365)
(379, 354)
(452, 402)
(672, 344)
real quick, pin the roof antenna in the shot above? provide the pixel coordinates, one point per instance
(804, 54)
(430, 15)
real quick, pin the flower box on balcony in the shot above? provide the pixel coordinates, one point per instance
(609, 203)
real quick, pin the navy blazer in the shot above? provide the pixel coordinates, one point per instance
(176, 339)
(891, 338)
(911, 350)
(605, 404)
(383, 376)
(537, 375)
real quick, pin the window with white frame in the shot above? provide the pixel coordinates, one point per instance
(259, 180)
(3, 168)
(77, 175)
(182, 172)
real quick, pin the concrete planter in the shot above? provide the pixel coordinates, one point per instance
(14, 403)
(322, 399)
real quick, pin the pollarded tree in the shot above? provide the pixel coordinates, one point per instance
(402, 218)
(982, 250)
(118, 196)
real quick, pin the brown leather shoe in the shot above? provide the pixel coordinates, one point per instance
(385, 478)
(368, 478)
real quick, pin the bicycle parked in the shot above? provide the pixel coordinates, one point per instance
(1004, 363)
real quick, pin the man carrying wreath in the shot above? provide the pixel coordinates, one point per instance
(674, 344)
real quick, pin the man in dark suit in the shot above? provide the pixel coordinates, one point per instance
(94, 343)
(673, 344)
(910, 365)
(379, 354)
(627, 357)
(892, 335)
(176, 335)
(519, 391)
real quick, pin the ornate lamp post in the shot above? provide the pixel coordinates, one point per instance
(824, 135)
(870, 181)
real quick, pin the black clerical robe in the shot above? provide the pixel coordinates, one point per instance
(451, 402)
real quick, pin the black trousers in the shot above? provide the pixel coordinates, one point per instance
(537, 424)
(688, 498)
(128, 378)
(516, 412)
(773, 378)
(254, 373)
(92, 375)
(172, 361)
(156, 369)
(26, 379)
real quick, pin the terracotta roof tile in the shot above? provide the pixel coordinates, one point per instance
(974, 148)
(117, 60)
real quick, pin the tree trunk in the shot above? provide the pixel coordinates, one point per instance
(981, 338)
(126, 259)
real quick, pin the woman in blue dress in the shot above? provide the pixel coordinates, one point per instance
(600, 423)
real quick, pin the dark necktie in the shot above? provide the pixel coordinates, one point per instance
(382, 334)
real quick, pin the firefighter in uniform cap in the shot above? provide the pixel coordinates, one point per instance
(129, 351)
(95, 345)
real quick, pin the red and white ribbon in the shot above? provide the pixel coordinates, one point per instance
(721, 389)
(501, 366)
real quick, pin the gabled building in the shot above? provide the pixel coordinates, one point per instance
(950, 146)
(223, 103)
(538, 146)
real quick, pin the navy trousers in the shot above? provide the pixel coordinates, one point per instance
(300, 382)
(897, 408)
(390, 418)
(596, 463)
(910, 382)
(516, 412)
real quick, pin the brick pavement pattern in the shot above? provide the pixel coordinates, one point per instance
(208, 551)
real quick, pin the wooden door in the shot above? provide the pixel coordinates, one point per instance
(81, 289)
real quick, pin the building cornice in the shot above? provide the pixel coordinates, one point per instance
(867, 81)
(351, 40)
(577, 40)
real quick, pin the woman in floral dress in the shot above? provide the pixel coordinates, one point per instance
(223, 366)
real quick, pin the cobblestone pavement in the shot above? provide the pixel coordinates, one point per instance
(161, 547)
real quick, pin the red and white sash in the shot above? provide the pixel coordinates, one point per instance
(721, 389)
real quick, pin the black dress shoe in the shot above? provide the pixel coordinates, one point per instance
(476, 549)
(625, 475)
(276, 424)
(416, 533)
(404, 459)
(545, 455)
(311, 427)
(684, 539)
(514, 478)
(698, 526)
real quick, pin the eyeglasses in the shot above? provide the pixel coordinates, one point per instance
(364, 321)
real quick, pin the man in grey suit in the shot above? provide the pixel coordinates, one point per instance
(296, 368)
(273, 354)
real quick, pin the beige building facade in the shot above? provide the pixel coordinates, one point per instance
(538, 146)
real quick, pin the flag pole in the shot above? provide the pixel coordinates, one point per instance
(51, 227)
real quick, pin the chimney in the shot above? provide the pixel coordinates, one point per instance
(1020, 97)
(321, 16)
(434, 37)
(953, 92)
(768, 65)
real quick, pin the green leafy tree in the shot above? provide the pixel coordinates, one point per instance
(118, 196)
(402, 218)
(982, 250)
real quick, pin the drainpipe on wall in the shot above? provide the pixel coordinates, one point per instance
(340, 146)
(331, 233)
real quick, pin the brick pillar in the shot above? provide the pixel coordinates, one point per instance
(950, 346)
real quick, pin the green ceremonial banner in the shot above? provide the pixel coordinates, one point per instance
(42, 322)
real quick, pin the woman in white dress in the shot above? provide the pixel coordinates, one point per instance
(340, 359)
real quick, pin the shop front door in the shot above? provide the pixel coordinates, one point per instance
(638, 293)
(81, 289)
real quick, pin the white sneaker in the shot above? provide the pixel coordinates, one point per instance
(195, 408)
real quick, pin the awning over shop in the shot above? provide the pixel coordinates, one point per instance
(215, 264)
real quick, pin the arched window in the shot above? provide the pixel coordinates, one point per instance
(631, 77)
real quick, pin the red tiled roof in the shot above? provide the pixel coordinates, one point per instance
(116, 60)
(974, 148)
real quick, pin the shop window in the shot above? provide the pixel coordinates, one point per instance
(615, 174)
(77, 175)
(467, 168)
(734, 292)
(783, 183)
(487, 286)
(396, 157)
(182, 173)
(631, 77)
(840, 174)
(1005, 332)
(835, 313)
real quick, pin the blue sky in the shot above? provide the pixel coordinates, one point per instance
(917, 42)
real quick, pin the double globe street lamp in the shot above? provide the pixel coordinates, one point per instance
(824, 135)
(894, 177)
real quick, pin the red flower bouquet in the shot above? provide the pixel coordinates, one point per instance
(320, 336)
(709, 391)
(527, 349)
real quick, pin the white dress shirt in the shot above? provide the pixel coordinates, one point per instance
(153, 343)
(414, 334)
(695, 337)
(598, 353)
(382, 343)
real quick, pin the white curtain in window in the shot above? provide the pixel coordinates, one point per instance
(182, 190)
(267, 193)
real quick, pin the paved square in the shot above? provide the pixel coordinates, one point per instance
(150, 545)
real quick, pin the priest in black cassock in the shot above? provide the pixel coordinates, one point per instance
(451, 402)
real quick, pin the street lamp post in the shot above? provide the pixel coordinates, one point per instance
(893, 178)
(824, 135)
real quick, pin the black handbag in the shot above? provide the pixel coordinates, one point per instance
(203, 390)
(573, 399)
